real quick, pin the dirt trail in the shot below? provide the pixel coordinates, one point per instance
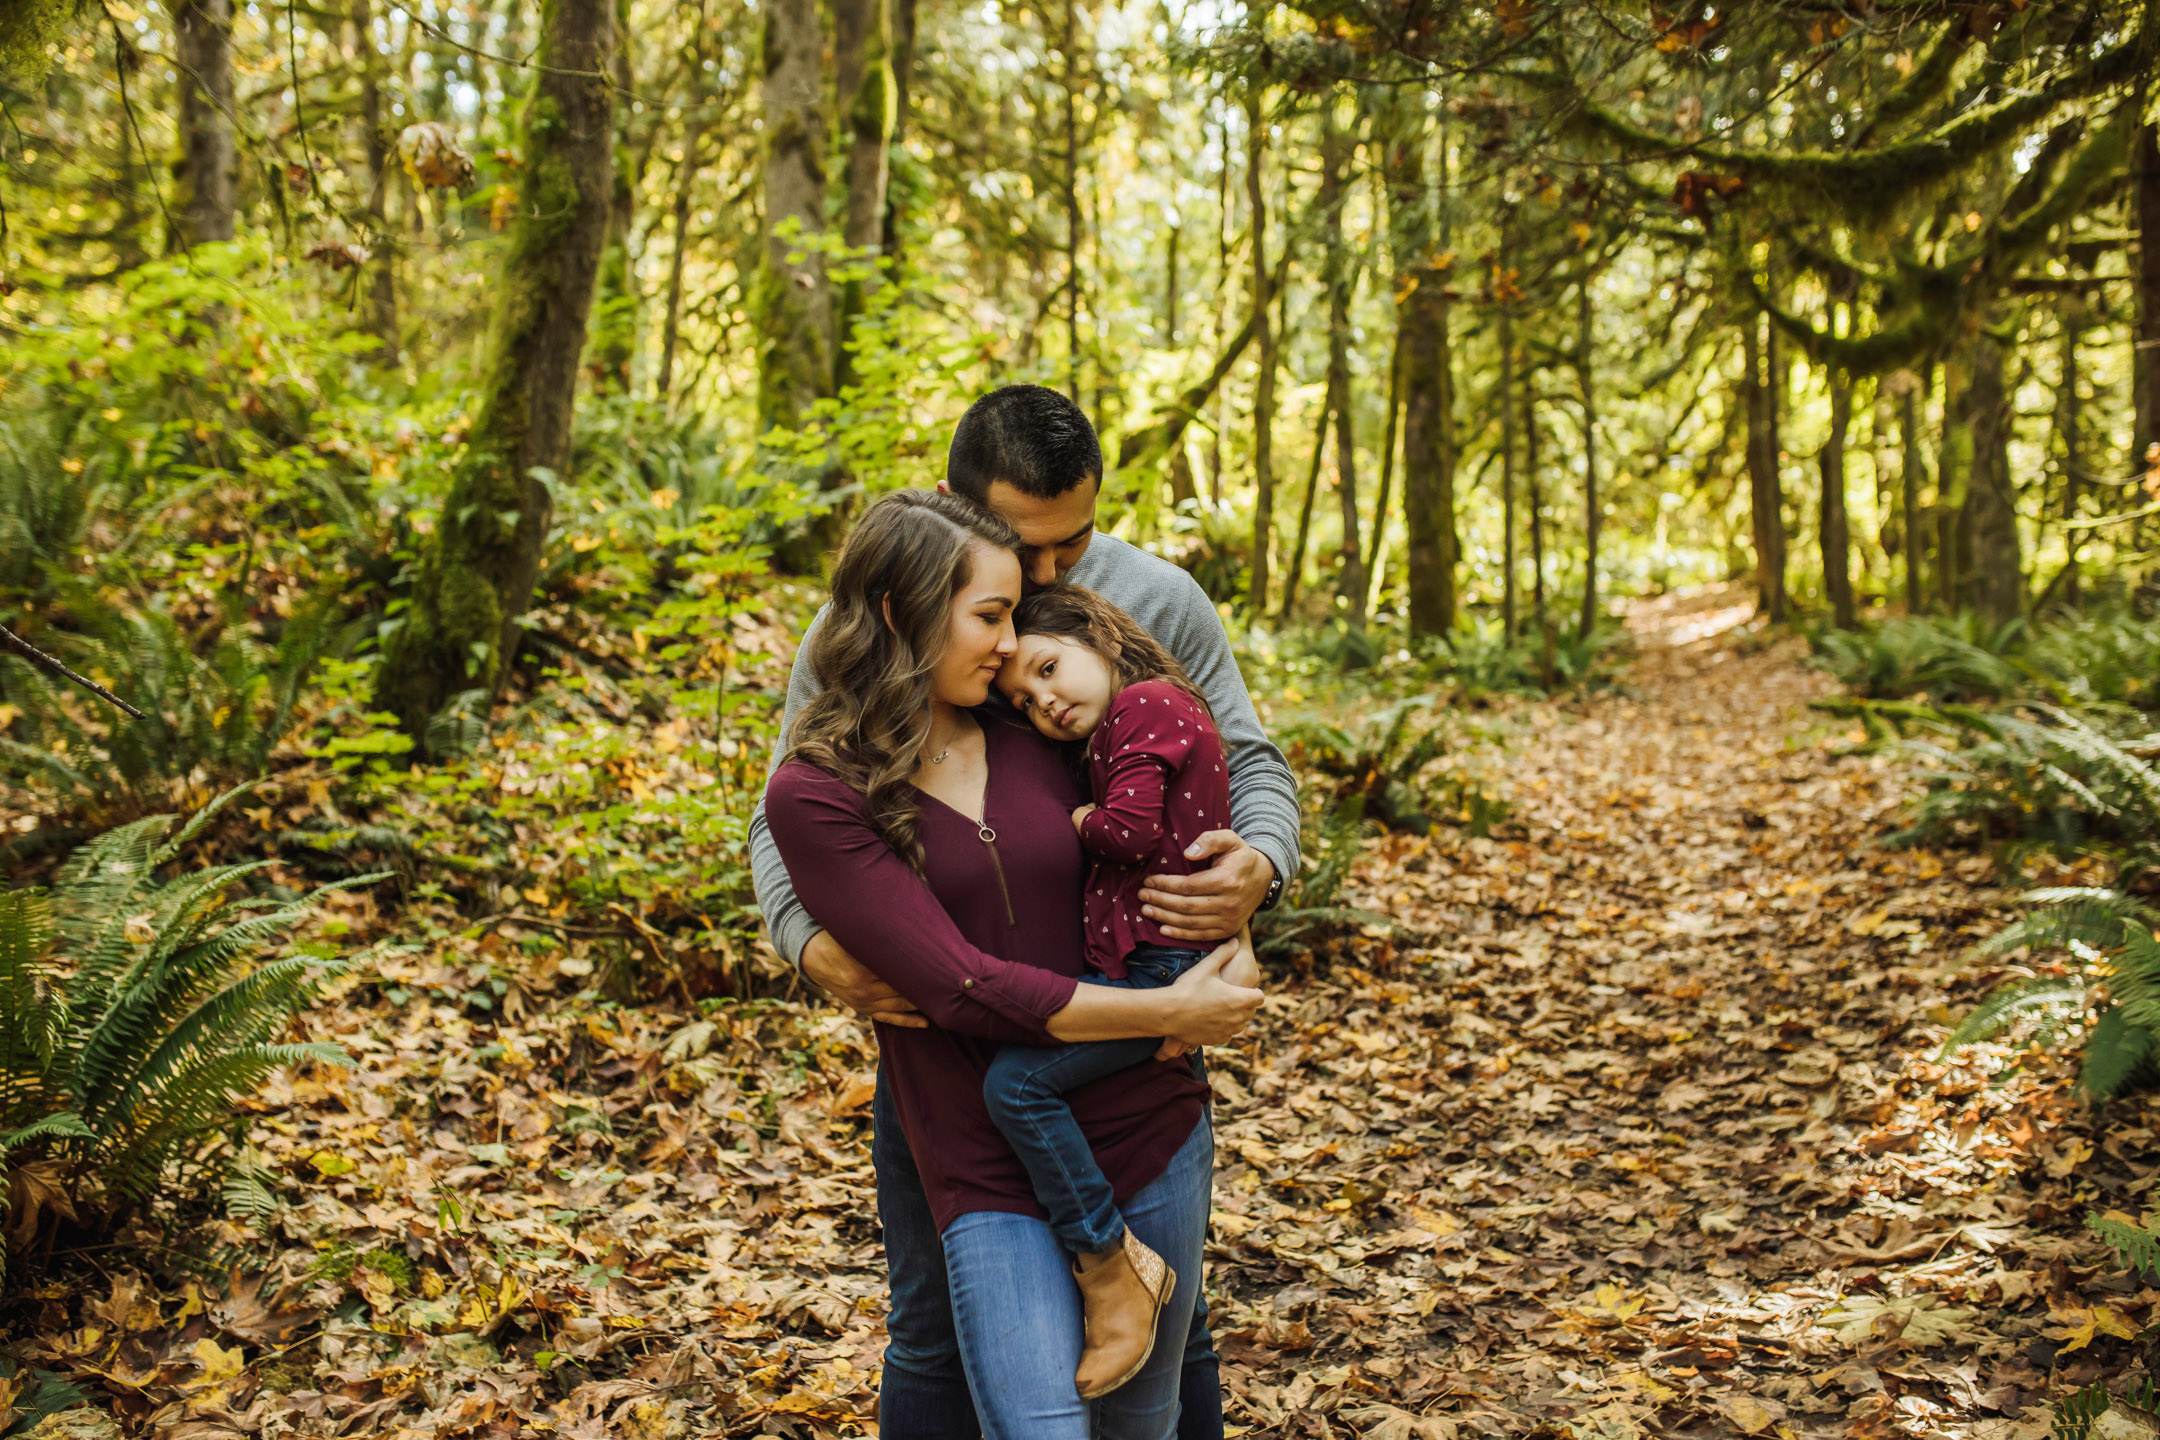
(1634, 1130)
(1644, 1136)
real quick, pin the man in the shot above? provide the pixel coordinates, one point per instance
(1031, 455)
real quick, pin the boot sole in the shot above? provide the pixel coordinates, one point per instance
(1154, 1330)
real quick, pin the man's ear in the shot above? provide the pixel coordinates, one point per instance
(944, 487)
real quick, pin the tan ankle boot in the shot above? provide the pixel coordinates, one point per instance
(1123, 1292)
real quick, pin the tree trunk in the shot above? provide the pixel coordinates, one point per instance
(863, 83)
(792, 299)
(1593, 503)
(614, 328)
(1953, 475)
(1766, 491)
(1335, 148)
(476, 576)
(679, 225)
(1375, 570)
(1295, 570)
(1836, 536)
(1428, 461)
(1170, 288)
(2073, 447)
(2145, 364)
(1535, 496)
(899, 68)
(1507, 472)
(209, 168)
(1994, 555)
(1264, 333)
(1071, 187)
(1912, 469)
(379, 276)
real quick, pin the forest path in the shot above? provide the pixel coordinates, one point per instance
(1662, 1095)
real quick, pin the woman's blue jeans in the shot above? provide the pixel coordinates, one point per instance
(1025, 1092)
(1017, 1309)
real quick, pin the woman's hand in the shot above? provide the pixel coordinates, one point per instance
(1080, 816)
(1204, 1007)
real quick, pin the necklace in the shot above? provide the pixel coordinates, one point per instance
(944, 752)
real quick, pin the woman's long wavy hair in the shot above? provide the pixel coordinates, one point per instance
(1077, 614)
(909, 554)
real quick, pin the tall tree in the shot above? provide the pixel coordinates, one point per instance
(792, 298)
(1509, 585)
(1988, 522)
(1421, 317)
(476, 576)
(1593, 501)
(1766, 490)
(1336, 148)
(209, 168)
(679, 228)
(379, 275)
(1264, 335)
(868, 96)
(2145, 362)
(614, 337)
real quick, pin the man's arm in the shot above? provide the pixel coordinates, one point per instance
(786, 920)
(1263, 793)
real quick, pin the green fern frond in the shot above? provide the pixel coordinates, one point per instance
(65, 1124)
(2007, 1003)
(2136, 1248)
(2118, 1052)
(2083, 914)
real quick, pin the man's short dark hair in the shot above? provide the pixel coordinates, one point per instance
(1030, 436)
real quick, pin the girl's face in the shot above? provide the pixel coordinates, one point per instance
(1065, 688)
(981, 635)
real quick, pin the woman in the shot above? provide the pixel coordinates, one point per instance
(934, 842)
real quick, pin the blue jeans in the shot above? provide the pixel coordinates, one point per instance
(1026, 1090)
(1017, 1310)
(923, 1394)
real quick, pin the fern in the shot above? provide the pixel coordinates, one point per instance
(135, 1010)
(2044, 994)
(2136, 1247)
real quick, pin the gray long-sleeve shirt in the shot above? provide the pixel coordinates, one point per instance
(1173, 608)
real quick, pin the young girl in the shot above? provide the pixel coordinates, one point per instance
(1085, 671)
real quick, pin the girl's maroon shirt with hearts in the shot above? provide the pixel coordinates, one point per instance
(1160, 782)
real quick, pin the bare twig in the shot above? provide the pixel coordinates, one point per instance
(51, 666)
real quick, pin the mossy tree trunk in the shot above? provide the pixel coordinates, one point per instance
(1836, 532)
(209, 165)
(1912, 473)
(1421, 321)
(1593, 501)
(867, 98)
(476, 577)
(679, 227)
(1340, 273)
(1766, 491)
(2145, 371)
(1509, 587)
(379, 276)
(613, 346)
(792, 296)
(1264, 336)
(1988, 522)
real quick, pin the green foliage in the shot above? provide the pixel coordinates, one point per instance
(134, 1011)
(211, 718)
(1386, 763)
(1948, 659)
(1312, 910)
(2136, 1247)
(2075, 1414)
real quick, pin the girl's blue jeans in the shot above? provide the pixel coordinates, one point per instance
(1017, 1310)
(1026, 1089)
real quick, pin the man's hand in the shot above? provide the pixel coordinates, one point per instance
(855, 985)
(1211, 904)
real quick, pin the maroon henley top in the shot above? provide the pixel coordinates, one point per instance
(987, 944)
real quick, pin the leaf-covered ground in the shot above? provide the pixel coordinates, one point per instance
(1634, 1127)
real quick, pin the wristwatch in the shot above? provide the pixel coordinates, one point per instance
(1274, 893)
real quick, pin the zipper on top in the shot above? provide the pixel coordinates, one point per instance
(984, 833)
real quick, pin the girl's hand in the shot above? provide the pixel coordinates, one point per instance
(1203, 1008)
(1080, 816)
(1173, 1050)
